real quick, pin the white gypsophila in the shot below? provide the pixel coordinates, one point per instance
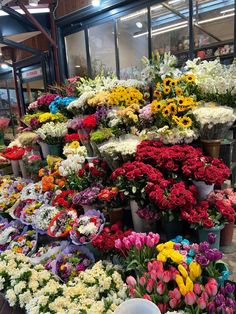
(211, 116)
(72, 164)
(56, 130)
(44, 216)
(81, 150)
(168, 135)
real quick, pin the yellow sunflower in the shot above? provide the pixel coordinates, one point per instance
(169, 100)
(176, 119)
(173, 83)
(173, 108)
(157, 94)
(180, 100)
(166, 90)
(185, 122)
(178, 91)
(167, 81)
(190, 78)
(166, 112)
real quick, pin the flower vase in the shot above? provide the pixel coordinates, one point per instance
(203, 189)
(23, 169)
(137, 306)
(172, 228)
(211, 147)
(2, 144)
(137, 221)
(226, 235)
(44, 148)
(203, 235)
(15, 168)
(55, 150)
(116, 215)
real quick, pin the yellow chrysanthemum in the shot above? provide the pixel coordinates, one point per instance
(167, 90)
(173, 108)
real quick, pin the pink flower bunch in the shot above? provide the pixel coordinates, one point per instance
(138, 240)
(227, 196)
(4, 123)
(33, 158)
(46, 100)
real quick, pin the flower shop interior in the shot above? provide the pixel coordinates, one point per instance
(117, 156)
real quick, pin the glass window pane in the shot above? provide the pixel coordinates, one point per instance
(76, 54)
(213, 28)
(170, 28)
(133, 42)
(102, 49)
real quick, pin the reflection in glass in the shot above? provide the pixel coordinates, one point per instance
(102, 49)
(76, 54)
(132, 42)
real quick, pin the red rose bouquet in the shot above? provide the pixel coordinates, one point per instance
(171, 199)
(207, 169)
(44, 101)
(14, 153)
(208, 214)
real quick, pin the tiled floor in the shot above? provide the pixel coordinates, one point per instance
(230, 258)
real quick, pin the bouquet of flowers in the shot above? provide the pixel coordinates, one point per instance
(138, 249)
(88, 227)
(207, 169)
(43, 216)
(62, 223)
(29, 211)
(111, 197)
(14, 153)
(33, 163)
(51, 117)
(63, 199)
(209, 214)
(27, 139)
(72, 165)
(88, 196)
(75, 149)
(25, 243)
(71, 262)
(214, 122)
(60, 104)
(52, 133)
(9, 231)
(227, 196)
(42, 102)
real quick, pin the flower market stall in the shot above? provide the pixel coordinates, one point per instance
(124, 200)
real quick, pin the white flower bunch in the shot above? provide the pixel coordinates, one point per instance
(124, 147)
(31, 191)
(54, 130)
(72, 164)
(170, 135)
(81, 101)
(113, 118)
(44, 216)
(211, 116)
(68, 150)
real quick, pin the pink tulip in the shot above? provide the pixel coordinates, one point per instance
(138, 245)
(197, 288)
(177, 246)
(127, 243)
(132, 292)
(160, 287)
(153, 274)
(162, 307)
(147, 297)
(150, 266)
(174, 294)
(131, 282)
(150, 284)
(142, 281)
(211, 289)
(118, 244)
(205, 296)
(173, 303)
(212, 281)
(190, 298)
(150, 241)
(201, 303)
(166, 276)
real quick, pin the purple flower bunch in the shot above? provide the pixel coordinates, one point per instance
(206, 254)
(88, 196)
(224, 302)
(75, 124)
(101, 113)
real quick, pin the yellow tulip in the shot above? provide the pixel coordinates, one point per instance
(183, 271)
(189, 284)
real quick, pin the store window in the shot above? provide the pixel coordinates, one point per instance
(213, 28)
(170, 30)
(102, 49)
(132, 42)
(76, 54)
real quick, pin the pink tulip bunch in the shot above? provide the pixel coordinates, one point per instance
(138, 249)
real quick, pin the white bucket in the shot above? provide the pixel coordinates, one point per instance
(137, 306)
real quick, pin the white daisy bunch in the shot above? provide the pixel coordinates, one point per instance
(72, 164)
(43, 217)
(52, 130)
(170, 135)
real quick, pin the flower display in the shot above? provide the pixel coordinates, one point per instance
(72, 164)
(43, 217)
(48, 117)
(25, 243)
(227, 196)
(88, 227)
(88, 196)
(62, 223)
(74, 148)
(52, 133)
(9, 231)
(13, 153)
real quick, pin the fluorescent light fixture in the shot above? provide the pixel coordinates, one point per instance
(215, 18)
(4, 66)
(139, 25)
(2, 13)
(96, 3)
(164, 29)
(156, 7)
(34, 11)
(174, 1)
(226, 11)
(77, 66)
(33, 3)
(133, 15)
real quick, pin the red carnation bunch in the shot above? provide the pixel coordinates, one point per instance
(209, 214)
(105, 241)
(89, 123)
(14, 153)
(46, 100)
(174, 197)
(64, 199)
(71, 137)
(207, 169)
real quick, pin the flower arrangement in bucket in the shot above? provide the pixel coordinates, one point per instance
(88, 227)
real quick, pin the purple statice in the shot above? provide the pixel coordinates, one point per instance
(145, 113)
(101, 113)
(88, 196)
(75, 124)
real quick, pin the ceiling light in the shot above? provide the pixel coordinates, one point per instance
(169, 30)
(225, 11)
(4, 66)
(156, 7)
(34, 11)
(216, 18)
(139, 25)
(77, 66)
(174, 1)
(133, 15)
(2, 13)
(33, 3)
(96, 3)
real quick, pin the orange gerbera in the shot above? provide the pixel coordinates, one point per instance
(48, 183)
